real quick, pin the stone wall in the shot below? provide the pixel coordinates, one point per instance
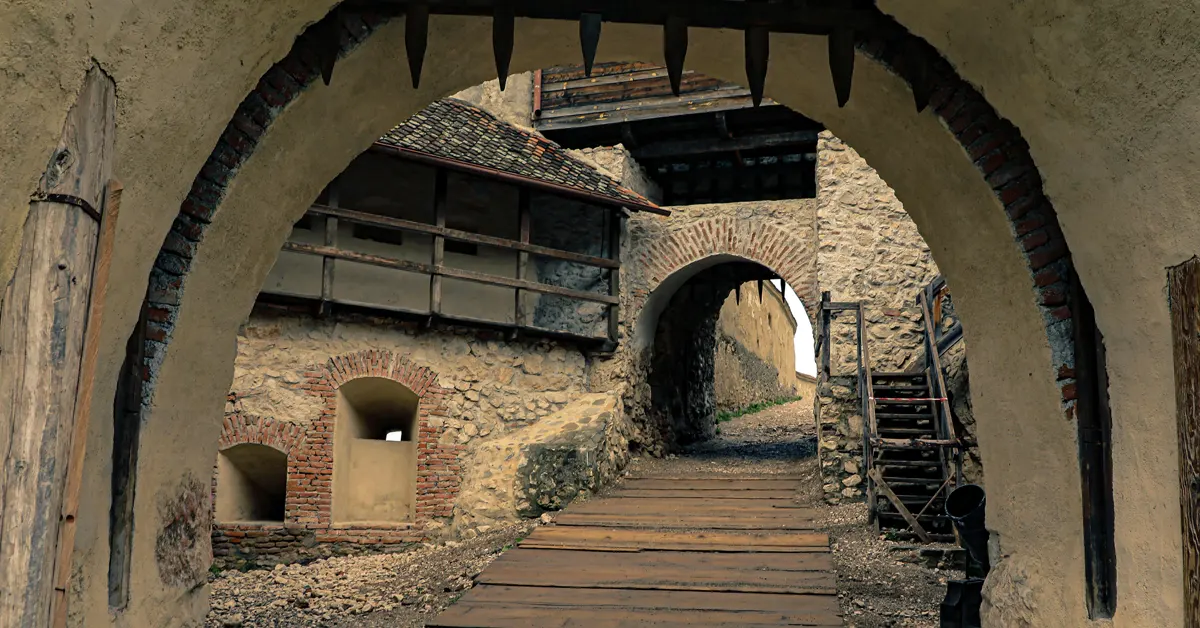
(756, 354)
(472, 385)
(870, 251)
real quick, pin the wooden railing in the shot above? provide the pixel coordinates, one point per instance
(866, 389)
(937, 294)
(937, 385)
(331, 215)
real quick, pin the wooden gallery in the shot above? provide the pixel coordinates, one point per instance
(456, 242)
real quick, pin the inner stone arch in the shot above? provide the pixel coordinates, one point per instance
(374, 475)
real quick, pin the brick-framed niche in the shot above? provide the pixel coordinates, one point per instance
(308, 503)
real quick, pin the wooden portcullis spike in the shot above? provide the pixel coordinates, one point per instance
(841, 62)
(416, 38)
(916, 70)
(758, 49)
(675, 43)
(589, 39)
(503, 27)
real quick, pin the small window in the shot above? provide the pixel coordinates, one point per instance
(377, 234)
(462, 248)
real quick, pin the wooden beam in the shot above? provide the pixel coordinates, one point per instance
(331, 238)
(616, 219)
(461, 236)
(877, 477)
(445, 271)
(667, 149)
(42, 329)
(783, 17)
(68, 522)
(522, 257)
(439, 241)
(1184, 285)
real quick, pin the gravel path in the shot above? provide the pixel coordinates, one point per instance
(880, 583)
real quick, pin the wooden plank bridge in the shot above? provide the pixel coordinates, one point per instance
(668, 552)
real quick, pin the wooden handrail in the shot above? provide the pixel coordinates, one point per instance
(445, 271)
(869, 388)
(399, 224)
(934, 367)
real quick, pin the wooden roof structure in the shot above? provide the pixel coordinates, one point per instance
(709, 144)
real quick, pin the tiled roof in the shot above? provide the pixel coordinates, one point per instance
(455, 130)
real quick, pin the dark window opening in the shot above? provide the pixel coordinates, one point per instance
(1094, 422)
(251, 484)
(305, 222)
(127, 423)
(377, 234)
(462, 248)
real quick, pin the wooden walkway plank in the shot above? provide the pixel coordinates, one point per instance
(582, 537)
(717, 493)
(667, 552)
(684, 523)
(718, 484)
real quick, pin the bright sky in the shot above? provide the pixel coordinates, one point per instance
(806, 361)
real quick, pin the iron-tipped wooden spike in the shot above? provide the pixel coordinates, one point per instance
(917, 71)
(841, 62)
(503, 26)
(758, 49)
(327, 45)
(589, 39)
(416, 38)
(675, 43)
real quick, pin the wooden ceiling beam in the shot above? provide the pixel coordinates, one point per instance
(779, 17)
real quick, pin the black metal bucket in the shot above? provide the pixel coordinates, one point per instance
(965, 508)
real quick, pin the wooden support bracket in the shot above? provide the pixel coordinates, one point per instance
(877, 477)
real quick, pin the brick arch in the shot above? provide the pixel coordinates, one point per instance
(384, 363)
(795, 259)
(241, 429)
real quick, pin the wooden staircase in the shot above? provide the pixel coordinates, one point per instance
(906, 418)
(912, 458)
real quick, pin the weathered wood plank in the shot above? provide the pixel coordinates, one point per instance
(665, 571)
(665, 540)
(444, 271)
(684, 523)
(523, 227)
(710, 484)
(331, 240)
(899, 505)
(641, 599)
(439, 241)
(41, 346)
(1184, 285)
(465, 614)
(701, 494)
(83, 404)
(350, 215)
(685, 506)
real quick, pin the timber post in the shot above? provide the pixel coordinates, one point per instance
(42, 329)
(1183, 282)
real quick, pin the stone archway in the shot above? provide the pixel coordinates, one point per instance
(999, 297)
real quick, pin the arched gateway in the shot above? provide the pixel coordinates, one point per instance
(965, 174)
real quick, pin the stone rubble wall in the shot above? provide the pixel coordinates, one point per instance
(756, 355)
(544, 466)
(870, 252)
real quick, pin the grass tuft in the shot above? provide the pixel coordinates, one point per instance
(722, 417)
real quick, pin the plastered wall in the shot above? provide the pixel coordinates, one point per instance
(1100, 96)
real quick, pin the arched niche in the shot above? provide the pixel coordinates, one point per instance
(251, 484)
(374, 477)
